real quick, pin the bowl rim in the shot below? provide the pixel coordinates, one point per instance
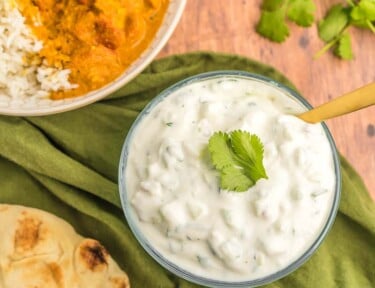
(180, 272)
(135, 68)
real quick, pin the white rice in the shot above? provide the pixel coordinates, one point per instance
(22, 75)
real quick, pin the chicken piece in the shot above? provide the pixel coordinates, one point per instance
(99, 64)
(44, 5)
(135, 29)
(114, 10)
(108, 35)
(83, 28)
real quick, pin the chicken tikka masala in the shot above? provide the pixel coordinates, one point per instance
(95, 39)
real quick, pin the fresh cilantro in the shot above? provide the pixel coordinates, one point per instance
(301, 12)
(363, 14)
(272, 5)
(275, 13)
(335, 21)
(272, 25)
(344, 47)
(238, 156)
(333, 28)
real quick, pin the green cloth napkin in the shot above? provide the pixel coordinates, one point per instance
(67, 164)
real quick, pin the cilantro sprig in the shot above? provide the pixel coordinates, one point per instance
(275, 13)
(362, 14)
(333, 29)
(238, 156)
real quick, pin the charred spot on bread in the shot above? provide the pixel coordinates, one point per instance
(28, 233)
(56, 272)
(94, 255)
(120, 282)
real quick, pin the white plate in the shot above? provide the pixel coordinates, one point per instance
(37, 107)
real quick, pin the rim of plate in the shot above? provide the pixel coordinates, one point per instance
(41, 107)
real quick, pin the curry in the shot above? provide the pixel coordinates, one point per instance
(95, 39)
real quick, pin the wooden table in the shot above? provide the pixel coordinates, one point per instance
(229, 26)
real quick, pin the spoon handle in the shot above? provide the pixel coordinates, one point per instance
(350, 102)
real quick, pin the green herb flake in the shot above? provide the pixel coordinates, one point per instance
(335, 21)
(169, 124)
(344, 47)
(272, 5)
(238, 156)
(274, 15)
(272, 25)
(363, 14)
(301, 12)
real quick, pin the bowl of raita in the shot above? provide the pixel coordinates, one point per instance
(223, 185)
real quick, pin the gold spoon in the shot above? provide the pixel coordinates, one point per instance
(349, 102)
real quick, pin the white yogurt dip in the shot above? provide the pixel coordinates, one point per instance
(174, 190)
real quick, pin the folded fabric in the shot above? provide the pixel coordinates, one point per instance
(67, 164)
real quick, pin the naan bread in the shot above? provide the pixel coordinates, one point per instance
(40, 250)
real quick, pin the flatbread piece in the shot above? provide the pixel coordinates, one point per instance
(40, 250)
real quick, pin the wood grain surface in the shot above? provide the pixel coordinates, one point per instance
(229, 26)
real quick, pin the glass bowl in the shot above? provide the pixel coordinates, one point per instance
(38, 107)
(172, 267)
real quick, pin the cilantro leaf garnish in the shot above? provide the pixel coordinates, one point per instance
(238, 156)
(275, 13)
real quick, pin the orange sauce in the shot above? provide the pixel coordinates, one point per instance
(95, 39)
